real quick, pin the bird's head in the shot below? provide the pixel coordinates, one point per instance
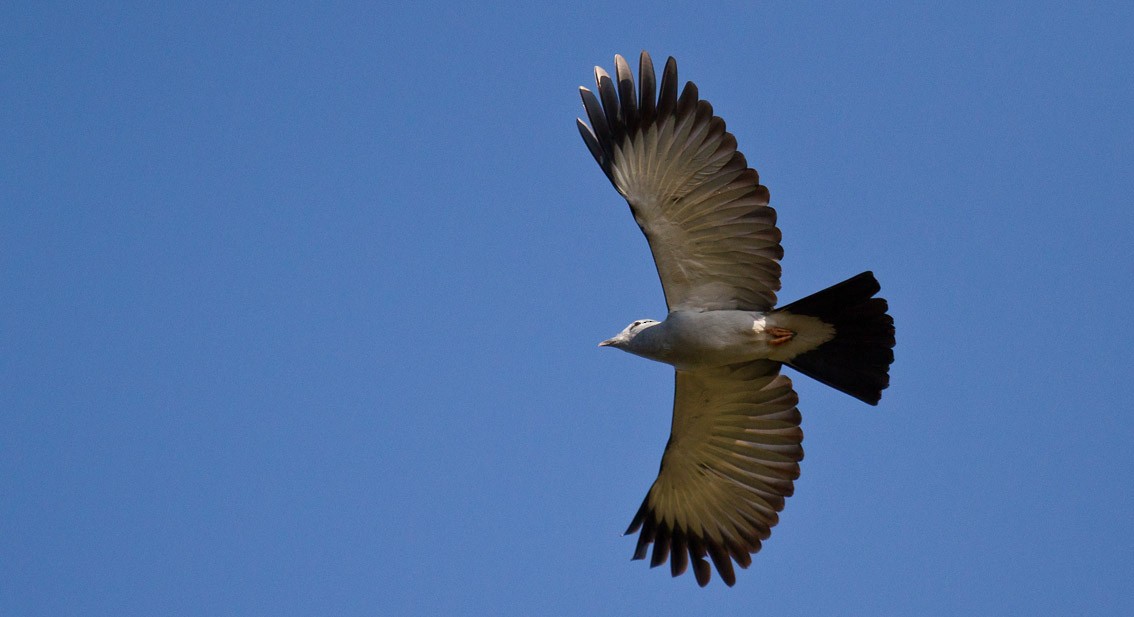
(624, 340)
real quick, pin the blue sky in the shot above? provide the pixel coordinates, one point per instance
(300, 305)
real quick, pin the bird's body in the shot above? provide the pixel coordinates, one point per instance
(735, 445)
(692, 340)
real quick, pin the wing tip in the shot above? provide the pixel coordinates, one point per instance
(682, 550)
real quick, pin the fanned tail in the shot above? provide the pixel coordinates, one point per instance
(857, 360)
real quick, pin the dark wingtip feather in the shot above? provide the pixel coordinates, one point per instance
(697, 554)
(688, 99)
(724, 565)
(679, 553)
(741, 556)
(667, 96)
(639, 517)
(645, 537)
(661, 547)
(594, 113)
(647, 89)
(590, 139)
(626, 95)
(702, 571)
(608, 94)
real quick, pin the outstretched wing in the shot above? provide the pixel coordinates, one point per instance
(732, 457)
(703, 210)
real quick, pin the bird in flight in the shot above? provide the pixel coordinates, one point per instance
(735, 442)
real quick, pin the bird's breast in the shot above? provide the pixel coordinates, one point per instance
(693, 340)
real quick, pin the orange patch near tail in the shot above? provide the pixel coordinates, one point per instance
(779, 335)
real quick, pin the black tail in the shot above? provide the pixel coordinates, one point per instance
(857, 360)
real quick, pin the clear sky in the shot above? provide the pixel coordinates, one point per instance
(299, 305)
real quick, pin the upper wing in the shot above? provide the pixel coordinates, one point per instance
(732, 457)
(703, 210)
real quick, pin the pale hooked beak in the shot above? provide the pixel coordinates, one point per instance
(607, 343)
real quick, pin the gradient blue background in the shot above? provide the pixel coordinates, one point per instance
(299, 305)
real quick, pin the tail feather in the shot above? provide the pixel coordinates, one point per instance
(857, 360)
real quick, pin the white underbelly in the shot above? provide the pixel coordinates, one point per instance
(717, 338)
(714, 338)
